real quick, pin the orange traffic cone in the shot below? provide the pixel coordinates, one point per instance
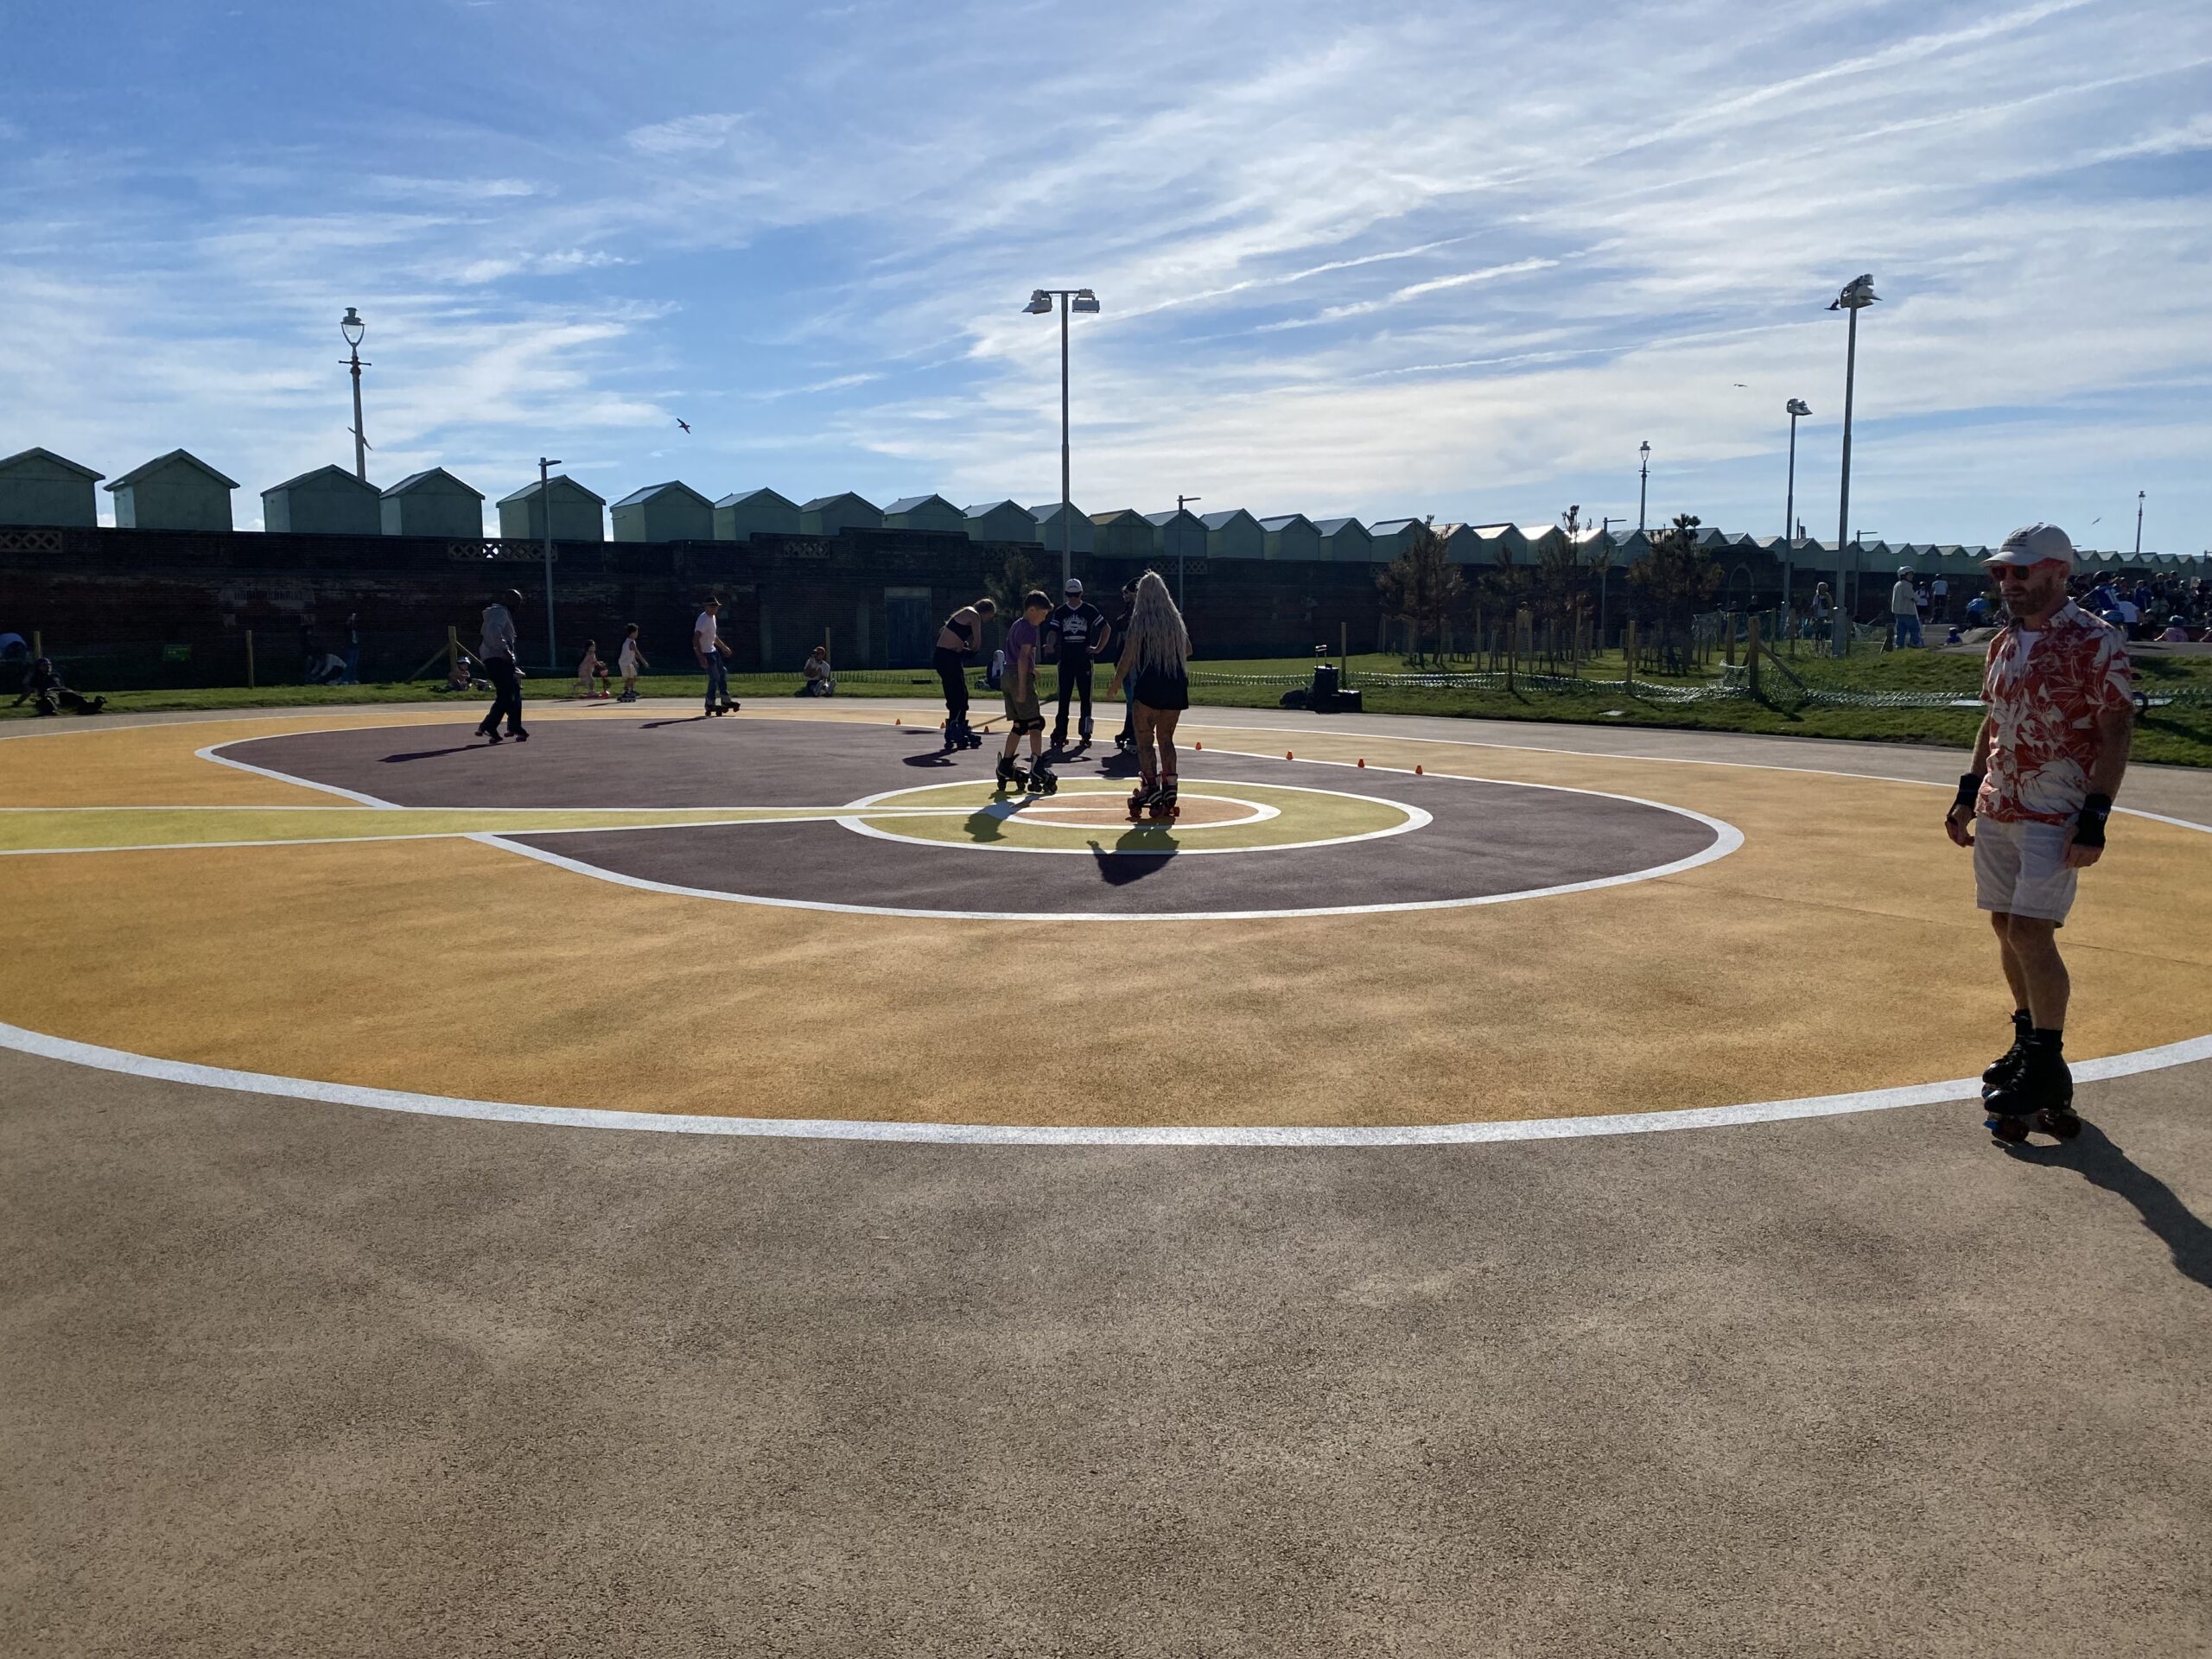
(1416, 769)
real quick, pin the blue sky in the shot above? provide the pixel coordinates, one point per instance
(1455, 260)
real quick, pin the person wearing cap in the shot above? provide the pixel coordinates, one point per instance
(1077, 632)
(1904, 611)
(505, 668)
(2047, 762)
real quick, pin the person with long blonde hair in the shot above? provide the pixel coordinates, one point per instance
(1155, 660)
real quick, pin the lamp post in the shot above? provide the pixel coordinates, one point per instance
(545, 506)
(1796, 406)
(1642, 479)
(353, 328)
(1858, 294)
(1182, 502)
(2139, 524)
(1604, 546)
(1041, 304)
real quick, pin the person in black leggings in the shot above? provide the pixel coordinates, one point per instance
(955, 643)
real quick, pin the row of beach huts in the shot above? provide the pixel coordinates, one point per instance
(180, 492)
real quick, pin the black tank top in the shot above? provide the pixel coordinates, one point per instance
(963, 632)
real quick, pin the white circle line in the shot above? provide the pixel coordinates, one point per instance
(817, 1128)
(1415, 818)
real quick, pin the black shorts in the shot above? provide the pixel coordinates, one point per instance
(1164, 691)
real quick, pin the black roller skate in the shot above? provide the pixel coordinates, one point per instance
(1041, 780)
(1011, 777)
(1163, 805)
(1082, 731)
(967, 740)
(2040, 1094)
(1140, 798)
(2007, 1066)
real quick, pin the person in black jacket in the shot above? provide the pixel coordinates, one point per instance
(1079, 632)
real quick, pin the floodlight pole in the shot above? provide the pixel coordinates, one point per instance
(1040, 302)
(2139, 524)
(1644, 479)
(1857, 296)
(1796, 407)
(545, 506)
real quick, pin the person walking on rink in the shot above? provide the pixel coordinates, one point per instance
(1024, 716)
(2047, 762)
(713, 651)
(1155, 660)
(1079, 632)
(631, 659)
(955, 643)
(498, 655)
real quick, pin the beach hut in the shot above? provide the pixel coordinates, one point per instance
(1078, 528)
(672, 511)
(832, 515)
(433, 502)
(177, 490)
(40, 487)
(742, 516)
(577, 513)
(1000, 521)
(1344, 541)
(328, 501)
(1235, 534)
(1124, 533)
(1391, 536)
(931, 513)
(1180, 534)
(1292, 535)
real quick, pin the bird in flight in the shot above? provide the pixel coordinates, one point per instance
(1741, 386)
(685, 424)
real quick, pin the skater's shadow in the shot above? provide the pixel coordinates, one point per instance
(431, 754)
(1120, 764)
(1142, 850)
(932, 758)
(986, 825)
(678, 719)
(2092, 1153)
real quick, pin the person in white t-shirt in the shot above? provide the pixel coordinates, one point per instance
(713, 650)
(1904, 611)
(631, 659)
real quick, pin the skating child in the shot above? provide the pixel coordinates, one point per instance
(589, 671)
(631, 661)
(1023, 713)
(1154, 660)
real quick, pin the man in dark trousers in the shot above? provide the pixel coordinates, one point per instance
(499, 664)
(1079, 634)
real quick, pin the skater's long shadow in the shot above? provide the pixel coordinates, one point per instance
(933, 757)
(680, 720)
(432, 754)
(2180, 1229)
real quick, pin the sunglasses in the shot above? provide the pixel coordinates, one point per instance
(2013, 572)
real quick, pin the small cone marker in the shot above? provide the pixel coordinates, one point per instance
(1288, 755)
(1416, 769)
(1199, 746)
(1363, 763)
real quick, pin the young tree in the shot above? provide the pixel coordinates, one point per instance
(1677, 577)
(1421, 588)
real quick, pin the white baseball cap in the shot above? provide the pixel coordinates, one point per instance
(1074, 585)
(2032, 545)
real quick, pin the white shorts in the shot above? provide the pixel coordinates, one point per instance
(2020, 868)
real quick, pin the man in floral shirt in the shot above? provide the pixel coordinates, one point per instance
(2046, 764)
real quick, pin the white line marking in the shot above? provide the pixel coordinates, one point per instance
(1415, 818)
(212, 752)
(985, 1134)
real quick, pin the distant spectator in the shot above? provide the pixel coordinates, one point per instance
(1978, 611)
(819, 681)
(2177, 630)
(1904, 612)
(352, 648)
(42, 686)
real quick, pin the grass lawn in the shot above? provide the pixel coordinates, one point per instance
(2174, 736)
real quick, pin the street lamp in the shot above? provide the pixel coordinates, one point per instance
(1858, 294)
(1040, 305)
(1796, 406)
(353, 328)
(1642, 479)
(1182, 502)
(545, 506)
(2139, 524)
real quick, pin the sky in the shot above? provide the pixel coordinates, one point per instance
(1458, 260)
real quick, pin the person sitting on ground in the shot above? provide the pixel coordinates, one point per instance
(819, 681)
(2176, 632)
(42, 686)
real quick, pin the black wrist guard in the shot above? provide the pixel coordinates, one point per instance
(1969, 787)
(2089, 829)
